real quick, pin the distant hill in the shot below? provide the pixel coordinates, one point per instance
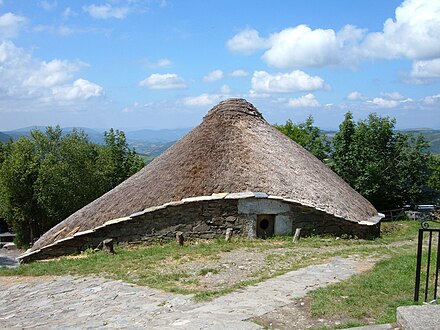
(431, 135)
(4, 137)
(147, 142)
(161, 135)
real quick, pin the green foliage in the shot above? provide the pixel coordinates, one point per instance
(308, 136)
(386, 167)
(434, 179)
(49, 175)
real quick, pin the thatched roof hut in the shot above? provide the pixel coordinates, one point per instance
(234, 150)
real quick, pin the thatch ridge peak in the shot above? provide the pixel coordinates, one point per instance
(235, 105)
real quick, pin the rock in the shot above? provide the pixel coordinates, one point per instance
(10, 246)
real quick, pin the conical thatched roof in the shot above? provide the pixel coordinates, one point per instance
(233, 150)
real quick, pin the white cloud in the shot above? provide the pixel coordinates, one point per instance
(48, 5)
(80, 90)
(10, 25)
(389, 100)
(213, 76)
(106, 11)
(355, 96)
(246, 42)
(301, 46)
(163, 62)
(32, 80)
(49, 74)
(308, 100)
(384, 103)
(239, 73)
(432, 99)
(225, 89)
(160, 63)
(201, 100)
(414, 33)
(163, 81)
(263, 82)
(393, 96)
(426, 69)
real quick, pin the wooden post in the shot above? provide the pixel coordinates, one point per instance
(107, 245)
(179, 238)
(228, 234)
(297, 235)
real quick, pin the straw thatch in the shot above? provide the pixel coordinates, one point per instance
(233, 150)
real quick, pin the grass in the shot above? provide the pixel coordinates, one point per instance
(369, 296)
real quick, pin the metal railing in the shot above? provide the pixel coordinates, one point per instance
(431, 275)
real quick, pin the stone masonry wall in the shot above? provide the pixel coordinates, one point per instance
(203, 218)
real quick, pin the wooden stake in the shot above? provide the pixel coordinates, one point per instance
(179, 238)
(228, 234)
(107, 246)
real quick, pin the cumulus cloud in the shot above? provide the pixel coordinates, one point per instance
(426, 69)
(414, 34)
(213, 76)
(27, 78)
(163, 81)
(301, 46)
(389, 100)
(384, 103)
(201, 100)
(10, 25)
(308, 100)
(355, 96)
(81, 89)
(239, 73)
(432, 99)
(393, 96)
(246, 42)
(106, 11)
(264, 82)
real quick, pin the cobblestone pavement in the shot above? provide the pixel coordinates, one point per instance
(69, 302)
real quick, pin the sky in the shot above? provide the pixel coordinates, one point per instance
(134, 64)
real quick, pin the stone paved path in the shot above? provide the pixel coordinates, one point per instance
(90, 302)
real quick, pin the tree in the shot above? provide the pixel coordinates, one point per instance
(18, 174)
(47, 176)
(434, 178)
(386, 167)
(308, 136)
(116, 160)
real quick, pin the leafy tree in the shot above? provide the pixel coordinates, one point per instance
(18, 174)
(308, 136)
(116, 161)
(434, 178)
(387, 167)
(47, 176)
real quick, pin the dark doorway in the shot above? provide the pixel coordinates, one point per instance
(265, 225)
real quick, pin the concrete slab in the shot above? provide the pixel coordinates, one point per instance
(426, 317)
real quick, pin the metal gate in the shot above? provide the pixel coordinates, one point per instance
(430, 273)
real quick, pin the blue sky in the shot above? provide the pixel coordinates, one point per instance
(134, 64)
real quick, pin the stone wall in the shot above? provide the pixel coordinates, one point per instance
(207, 217)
